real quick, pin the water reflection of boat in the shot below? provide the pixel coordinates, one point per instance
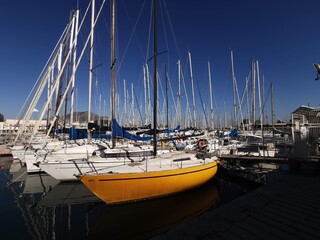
(46, 210)
(144, 219)
(19, 175)
(68, 193)
(15, 166)
(56, 193)
(39, 183)
(66, 210)
(5, 162)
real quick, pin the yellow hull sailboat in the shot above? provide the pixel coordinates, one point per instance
(163, 175)
(160, 175)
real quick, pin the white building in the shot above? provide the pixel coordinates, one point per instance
(12, 125)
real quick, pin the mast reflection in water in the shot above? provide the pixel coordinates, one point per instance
(145, 219)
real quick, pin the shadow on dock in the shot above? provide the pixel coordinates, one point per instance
(285, 208)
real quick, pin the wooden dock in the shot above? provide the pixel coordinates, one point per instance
(288, 208)
(280, 160)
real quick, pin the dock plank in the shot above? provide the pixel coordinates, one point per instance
(254, 230)
(243, 234)
(282, 229)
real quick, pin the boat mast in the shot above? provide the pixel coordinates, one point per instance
(69, 69)
(113, 66)
(60, 75)
(211, 103)
(91, 67)
(272, 109)
(167, 98)
(155, 75)
(193, 99)
(125, 100)
(253, 94)
(58, 88)
(145, 95)
(234, 93)
(149, 94)
(49, 89)
(259, 95)
(179, 93)
(225, 116)
(248, 103)
(262, 97)
(74, 66)
(132, 104)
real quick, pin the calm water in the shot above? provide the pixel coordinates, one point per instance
(39, 207)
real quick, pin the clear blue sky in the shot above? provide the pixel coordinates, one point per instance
(282, 35)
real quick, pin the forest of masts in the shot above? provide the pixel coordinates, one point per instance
(57, 82)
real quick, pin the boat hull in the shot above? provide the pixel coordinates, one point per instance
(125, 187)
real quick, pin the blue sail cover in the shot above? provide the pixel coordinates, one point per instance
(100, 135)
(172, 130)
(233, 133)
(118, 131)
(82, 133)
(77, 134)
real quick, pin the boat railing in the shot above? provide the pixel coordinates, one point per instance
(138, 159)
(90, 164)
(74, 162)
(181, 160)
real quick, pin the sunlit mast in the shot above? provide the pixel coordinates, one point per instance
(91, 67)
(74, 67)
(155, 75)
(192, 87)
(113, 66)
(211, 103)
(253, 96)
(259, 95)
(179, 93)
(145, 95)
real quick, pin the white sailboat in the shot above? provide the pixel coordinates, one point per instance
(67, 169)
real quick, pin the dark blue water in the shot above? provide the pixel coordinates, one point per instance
(39, 207)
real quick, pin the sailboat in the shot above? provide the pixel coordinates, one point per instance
(164, 174)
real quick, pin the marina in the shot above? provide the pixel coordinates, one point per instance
(284, 208)
(122, 137)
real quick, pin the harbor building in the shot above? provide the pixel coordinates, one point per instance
(306, 132)
(12, 125)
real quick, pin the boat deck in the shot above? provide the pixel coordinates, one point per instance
(288, 208)
(167, 161)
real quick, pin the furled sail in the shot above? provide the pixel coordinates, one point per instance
(118, 131)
